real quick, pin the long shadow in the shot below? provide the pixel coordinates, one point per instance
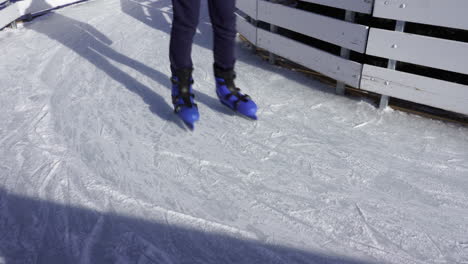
(94, 46)
(38, 231)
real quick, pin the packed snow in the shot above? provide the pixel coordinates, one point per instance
(96, 168)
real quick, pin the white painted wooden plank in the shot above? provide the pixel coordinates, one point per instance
(432, 52)
(448, 13)
(361, 6)
(248, 6)
(247, 30)
(328, 64)
(8, 15)
(441, 94)
(342, 33)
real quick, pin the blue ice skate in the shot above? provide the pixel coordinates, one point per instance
(231, 96)
(183, 97)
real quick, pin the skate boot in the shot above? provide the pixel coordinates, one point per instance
(231, 96)
(183, 97)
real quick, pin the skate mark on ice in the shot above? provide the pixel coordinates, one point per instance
(362, 124)
(368, 228)
(316, 106)
(198, 161)
(174, 217)
(374, 234)
(53, 166)
(285, 216)
(441, 254)
(26, 127)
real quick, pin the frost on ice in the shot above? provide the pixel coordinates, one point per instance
(95, 167)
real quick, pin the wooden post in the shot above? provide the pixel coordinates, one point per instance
(254, 22)
(272, 57)
(13, 25)
(340, 86)
(400, 27)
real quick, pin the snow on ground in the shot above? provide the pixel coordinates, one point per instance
(95, 167)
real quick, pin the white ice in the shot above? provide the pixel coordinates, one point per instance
(95, 167)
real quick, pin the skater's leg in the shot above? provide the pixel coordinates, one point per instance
(223, 20)
(184, 25)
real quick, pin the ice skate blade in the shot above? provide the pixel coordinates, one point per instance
(251, 118)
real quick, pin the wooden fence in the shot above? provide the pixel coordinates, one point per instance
(259, 21)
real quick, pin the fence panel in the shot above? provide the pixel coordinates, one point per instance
(249, 7)
(339, 32)
(334, 66)
(248, 30)
(438, 54)
(427, 51)
(446, 13)
(415, 88)
(9, 14)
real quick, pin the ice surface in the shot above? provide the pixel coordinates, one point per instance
(96, 168)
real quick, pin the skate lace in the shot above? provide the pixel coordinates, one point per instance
(183, 92)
